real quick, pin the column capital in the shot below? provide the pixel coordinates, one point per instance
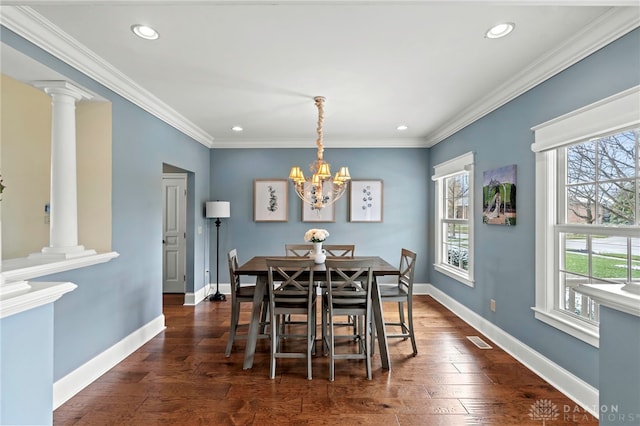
(62, 87)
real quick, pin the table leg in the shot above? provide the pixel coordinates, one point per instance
(378, 319)
(254, 325)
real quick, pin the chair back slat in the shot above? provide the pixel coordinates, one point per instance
(348, 281)
(407, 270)
(297, 250)
(340, 250)
(294, 278)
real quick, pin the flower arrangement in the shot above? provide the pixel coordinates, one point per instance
(316, 235)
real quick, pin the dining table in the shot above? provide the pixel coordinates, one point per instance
(257, 266)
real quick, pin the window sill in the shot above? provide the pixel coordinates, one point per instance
(563, 322)
(23, 268)
(456, 276)
(613, 296)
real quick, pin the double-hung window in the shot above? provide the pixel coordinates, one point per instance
(454, 218)
(587, 209)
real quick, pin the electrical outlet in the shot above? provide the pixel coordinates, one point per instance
(492, 305)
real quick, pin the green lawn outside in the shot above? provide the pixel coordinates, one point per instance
(603, 266)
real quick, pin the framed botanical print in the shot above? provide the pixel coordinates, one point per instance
(270, 200)
(365, 201)
(311, 214)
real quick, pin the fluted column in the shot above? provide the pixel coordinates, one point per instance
(63, 232)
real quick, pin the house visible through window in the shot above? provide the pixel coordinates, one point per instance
(598, 218)
(454, 218)
(587, 209)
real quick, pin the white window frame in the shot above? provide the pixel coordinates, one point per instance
(604, 117)
(458, 165)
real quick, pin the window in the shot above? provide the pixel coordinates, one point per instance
(454, 218)
(587, 209)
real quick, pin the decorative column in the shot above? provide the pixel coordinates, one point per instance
(63, 233)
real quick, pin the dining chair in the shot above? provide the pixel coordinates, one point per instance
(294, 295)
(348, 293)
(336, 250)
(340, 250)
(297, 250)
(241, 294)
(402, 293)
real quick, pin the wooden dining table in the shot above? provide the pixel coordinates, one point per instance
(257, 266)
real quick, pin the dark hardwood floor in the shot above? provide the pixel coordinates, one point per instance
(181, 377)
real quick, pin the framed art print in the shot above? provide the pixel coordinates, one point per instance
(499, 196)
(365, 201)
(270, 200)
(311, 214)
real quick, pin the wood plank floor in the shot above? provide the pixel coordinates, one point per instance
(181, 377)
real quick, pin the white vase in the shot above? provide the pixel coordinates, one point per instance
(318, 253)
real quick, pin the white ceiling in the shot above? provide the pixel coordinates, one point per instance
(258, 64)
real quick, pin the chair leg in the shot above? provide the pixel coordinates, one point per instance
(263, 317)
(274, 346)
(311, 325)
(367, 343)
(235, 316)
(332, 346)
(411, 333)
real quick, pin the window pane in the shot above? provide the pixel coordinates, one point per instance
(576, 260)
(580, 203)
(455, 249)
(609, 260)
(616, 156)
(635, 259)
(617, 203)
(581, 163)
(456, 196)
(570, 300)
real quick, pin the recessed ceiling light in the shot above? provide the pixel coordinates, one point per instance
(237, 129)
(402, 127)
(144, 31)
(500, 30)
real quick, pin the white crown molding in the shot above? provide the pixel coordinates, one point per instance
(30, 25)
(602, 31)
(35, 28)
(332, 144)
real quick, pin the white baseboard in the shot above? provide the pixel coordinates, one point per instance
(572, 386)
(84, 375)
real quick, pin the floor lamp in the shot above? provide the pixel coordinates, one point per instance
(217, 209)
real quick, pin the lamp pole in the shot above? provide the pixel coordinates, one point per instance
(218, 297)
(217, 209)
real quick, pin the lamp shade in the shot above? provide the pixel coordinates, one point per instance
(217, 209)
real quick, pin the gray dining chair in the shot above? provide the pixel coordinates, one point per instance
(291, 292)
(348, 293)
(241, 294)
(402, 293)
(336, 250)
(297, 250)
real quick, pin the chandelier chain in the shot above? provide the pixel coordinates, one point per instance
(320, 104)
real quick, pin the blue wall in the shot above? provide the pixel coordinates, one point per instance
(619, 371)
(26, 367)
(505, 255)
(406, 202)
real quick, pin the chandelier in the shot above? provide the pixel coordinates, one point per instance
(320, 190)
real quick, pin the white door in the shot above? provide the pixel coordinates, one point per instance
(174, 232)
